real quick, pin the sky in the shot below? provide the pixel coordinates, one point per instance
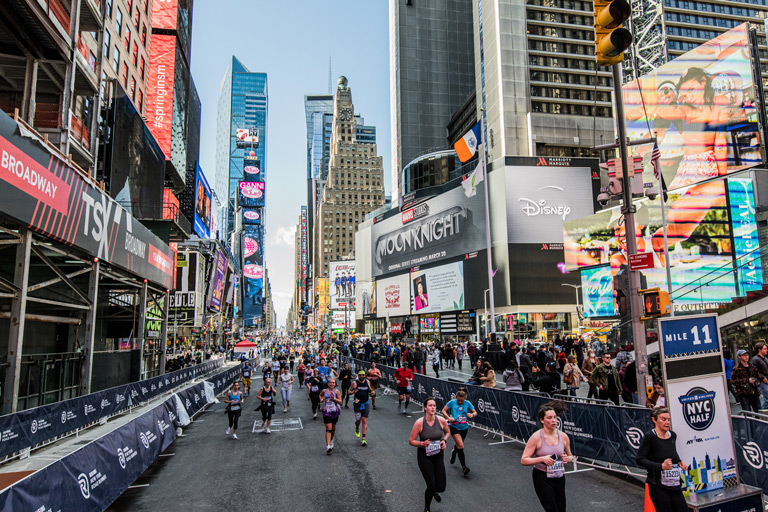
(292, 42)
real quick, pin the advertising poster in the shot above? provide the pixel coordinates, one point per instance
(597, 292)
(698, 233)
(429, 324)
(252, 169)
(393, 296)
(368, 304)
(202, 205)
(343, 319)
(443, 227)
(438, 289)
(162, 62)
(745, 238)
(341, 275)
(253, 251)
(700, 418)
(701, 106)
(250, 194)
(252, 216)
(247, 137)
(216, 291)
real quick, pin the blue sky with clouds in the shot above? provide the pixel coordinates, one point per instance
(291, 42)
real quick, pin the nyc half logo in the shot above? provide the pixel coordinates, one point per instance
(698, 408)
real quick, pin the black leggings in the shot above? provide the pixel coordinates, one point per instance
(344, 388)
(315, 397)
(266, 411)
(550, 491)
(433, 470)
(233, 417)
(667, 500)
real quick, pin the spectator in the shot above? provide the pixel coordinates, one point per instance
(525, 368)
(572, 375)
(761, 365)
(728, 365)
(547, 380)
(606, 378)
(513, 378)
(658, 398)
(587, 368)
(488, 380)
(630, 382)
(743, 380)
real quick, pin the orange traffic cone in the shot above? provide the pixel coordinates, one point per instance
(648, 507)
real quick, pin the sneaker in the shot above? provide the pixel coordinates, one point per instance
(314, 417)
(357, 433)
(374, 407)
(268, 431)
(346, 407)
(453, 455)
(328, 449)
(364, 442)
(437, 497)
(234, 436)
(285, 409)
(466, 470)
(229, 431)
(331, 444)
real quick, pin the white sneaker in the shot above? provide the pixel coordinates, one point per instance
(268, 431)
(331, 445)
(229, 431)
(285, 409)
(234, 436)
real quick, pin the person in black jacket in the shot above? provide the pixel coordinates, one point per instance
(658, 454)
(548, 380)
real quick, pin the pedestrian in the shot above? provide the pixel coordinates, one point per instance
(488, 380)
(457, 413)
(361, 389)
(513, 378)
(313, 391)
(374, 374)
(346, 376)
(267, 395)
(743, 381)
(548, 450)
(459, 354)
(548, 380)
(658, 397)
(587, 368)
(331, 410)
(404, 380)
(418, 360)
(572, 375)
(432, 433)
(658, 454)
(606, 378)
(286, 383)
(234, 401)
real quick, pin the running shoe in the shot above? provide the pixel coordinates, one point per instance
(328, 449)
(285, 409)
(268, 431)
(466, 470)
(234, 436)
(364, 442)
(453, 455)
(229, 431)
(332, 444)
(357, 433)
(437, 497)
(374, 407)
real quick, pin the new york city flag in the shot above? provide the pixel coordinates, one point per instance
(466, 147)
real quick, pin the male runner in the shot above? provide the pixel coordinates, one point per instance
(324, 372)
(247, 378)
(361, 389)
(374, 374)
(404, 377)
(346, 376)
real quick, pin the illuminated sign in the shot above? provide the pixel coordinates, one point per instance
(162, 62)
(252, 189)
(164, 14)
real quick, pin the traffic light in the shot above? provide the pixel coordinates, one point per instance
(655, 303)
(611, 39)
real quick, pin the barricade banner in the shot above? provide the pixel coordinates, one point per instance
(751, 439)
(32, 426)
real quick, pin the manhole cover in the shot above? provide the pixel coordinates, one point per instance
(279, 425)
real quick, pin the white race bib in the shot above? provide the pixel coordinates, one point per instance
(313, 389)
(670, 477)
(433, 448)
(556, 470)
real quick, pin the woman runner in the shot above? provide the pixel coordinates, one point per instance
(331, 410)
(313, 389)
(300, 372)
(457, 413)
(658, 455)
(286, 381)
(266, 394)
(432, 432)
(548, 450)
(234, 403)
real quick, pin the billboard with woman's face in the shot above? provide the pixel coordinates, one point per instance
(701, 107)
(202, 205)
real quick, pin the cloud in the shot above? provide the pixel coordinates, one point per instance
(284, 235)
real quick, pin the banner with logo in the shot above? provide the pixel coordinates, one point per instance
(751, 438)
(393, 296)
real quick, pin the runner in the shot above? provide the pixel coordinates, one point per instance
(300, 372)
(331, 411)
(247, 378)
(324, 372)
(346, 376)
(404, 377)
(234, 401)
(374, 374)
(658, 455)
(432, 432)
(313, 391)
(548, 450)
(266, 371)
(361, 388)
(286, 381)
(292, 360)
(276, 368)
(267, 395)
(457, 412)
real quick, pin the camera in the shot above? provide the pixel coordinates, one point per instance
(603, 198)
(652, 193)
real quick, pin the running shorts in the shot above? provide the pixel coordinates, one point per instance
(361, 413)
(403, 390)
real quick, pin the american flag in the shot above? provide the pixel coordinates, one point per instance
(655, 157)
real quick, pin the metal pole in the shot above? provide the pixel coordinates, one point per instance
(487, 222)
(666, 248)
(90, 329)
(485, 306)
(628, 210)
(164, 332)
(141, 329)
(16, 332)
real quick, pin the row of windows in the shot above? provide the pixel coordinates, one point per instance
(561, 33)
(717, 8)
(567, 108)
(558, 17)
(561, 62)
(570, 94)
(574, 5)
(558, 47)
(693, 32)
(701, 20)
(569, 78)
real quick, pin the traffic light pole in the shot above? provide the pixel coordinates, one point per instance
(628, 210)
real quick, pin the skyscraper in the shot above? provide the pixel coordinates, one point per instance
(432, 73)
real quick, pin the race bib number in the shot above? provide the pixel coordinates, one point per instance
(331, 407)
(670, 477)
(461, 418)
(433, 448)
(313, 389)
(556, 470)
(409, 389)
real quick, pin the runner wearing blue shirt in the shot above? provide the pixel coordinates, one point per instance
(457, 412)
(324, 373)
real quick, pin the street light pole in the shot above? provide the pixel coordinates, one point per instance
(578, 303)
(485, 305)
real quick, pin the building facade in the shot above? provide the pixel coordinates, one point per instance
(354, 186)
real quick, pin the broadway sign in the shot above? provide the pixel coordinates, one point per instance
(41, 191)
(443, 227)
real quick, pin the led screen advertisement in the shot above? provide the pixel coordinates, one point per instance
(202, 205)
(252, 169)
(252, 216)
(393, 296)
(699, 236)
(446, 226)
(342, 283)
(247, 137)
(701, 106)
(162, 63)
(367, 298)
(597, 292)
(216, 289)
(746, 244)
(164, 14)
(438, 289)
(250, 194)
(429, 324)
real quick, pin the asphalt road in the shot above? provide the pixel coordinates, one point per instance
(206, 470)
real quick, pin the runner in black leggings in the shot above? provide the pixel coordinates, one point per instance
(432, 432)
(313, 388)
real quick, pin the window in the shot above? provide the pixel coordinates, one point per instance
(136, 19)
(135, 53)
(119, 21)
(129, 4)
(141, 68)
(141, 101)
(107, 42)
(109, 8)
(133, 88)
(125, 75)
(146, 6)
(144, 35)
(127, 38)
(116, 59)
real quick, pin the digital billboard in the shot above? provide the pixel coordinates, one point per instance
(164, 14)
(438, 289)
(429, 324)
(252, 216)
(698, 233)
(216, 290)
(250, 194)
(252, 170)
(202, 205)
(342, 283)
(702, 108)
(746, 243)
(368, 302)
(162, 64)
(597, 292)
(247, 137)
(393, 296)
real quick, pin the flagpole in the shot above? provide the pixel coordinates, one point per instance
(487, 226)
(662, 199)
